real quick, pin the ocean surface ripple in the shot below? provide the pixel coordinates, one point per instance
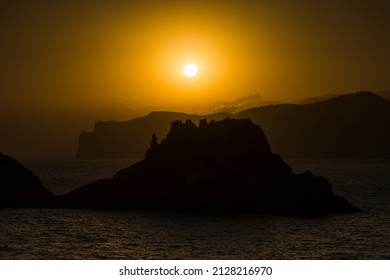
(148, 234)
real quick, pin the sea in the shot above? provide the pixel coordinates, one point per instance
(41, 234)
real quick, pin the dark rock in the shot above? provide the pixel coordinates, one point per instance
(224, 165)
(19, 187)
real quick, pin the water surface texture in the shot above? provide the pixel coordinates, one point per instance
(147, 234)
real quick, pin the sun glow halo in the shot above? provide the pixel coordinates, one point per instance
(190, 70)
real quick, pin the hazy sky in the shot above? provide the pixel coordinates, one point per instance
(66, 64)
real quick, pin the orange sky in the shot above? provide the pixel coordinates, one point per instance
(66, 64)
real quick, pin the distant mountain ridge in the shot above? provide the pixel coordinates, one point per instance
(130, 139)
(347, 126)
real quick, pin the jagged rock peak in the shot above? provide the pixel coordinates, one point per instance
(229, 135)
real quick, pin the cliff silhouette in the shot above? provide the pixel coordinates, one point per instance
(19, 187)
(223, 165)
(346, 126)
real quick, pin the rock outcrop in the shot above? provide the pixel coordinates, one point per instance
(19, 187)
(223, 165)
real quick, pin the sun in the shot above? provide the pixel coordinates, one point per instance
(190, 70)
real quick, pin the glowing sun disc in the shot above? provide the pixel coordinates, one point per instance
(190, 70)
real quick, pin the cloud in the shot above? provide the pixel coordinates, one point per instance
(240, 104)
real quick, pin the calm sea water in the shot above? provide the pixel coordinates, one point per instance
(146, 234)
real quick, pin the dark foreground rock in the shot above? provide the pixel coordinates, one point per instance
(225, 166)
(19, 187)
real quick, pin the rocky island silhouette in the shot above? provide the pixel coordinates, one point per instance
(223, 165)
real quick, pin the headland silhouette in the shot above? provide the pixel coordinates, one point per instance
(345, 126)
